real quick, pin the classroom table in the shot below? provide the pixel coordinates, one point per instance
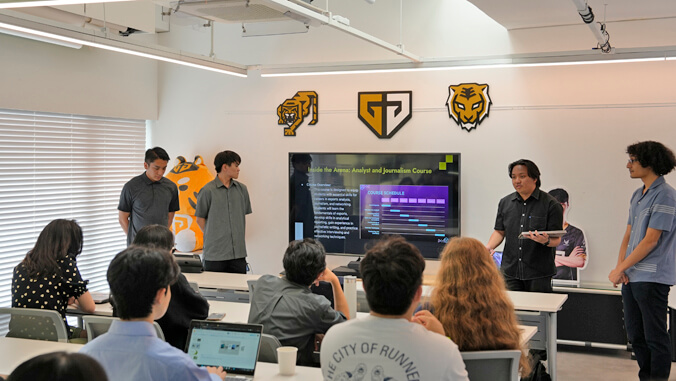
(540, 309)
(15, 351)
(221, 281)
(235, 312)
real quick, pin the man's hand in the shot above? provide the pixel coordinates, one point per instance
(429, 321)
(326, 275)
(616, 277)
(217, 371)
(540, 238)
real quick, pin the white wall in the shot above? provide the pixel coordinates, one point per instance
(574, 122)
(37, 76)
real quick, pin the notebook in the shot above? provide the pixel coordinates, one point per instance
(233, 346)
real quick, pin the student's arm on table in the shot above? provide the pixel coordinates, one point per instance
(429, 321)
(339, 299)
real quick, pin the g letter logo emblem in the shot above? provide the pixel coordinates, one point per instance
(385, 112)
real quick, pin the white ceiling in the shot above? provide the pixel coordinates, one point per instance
(519, 14)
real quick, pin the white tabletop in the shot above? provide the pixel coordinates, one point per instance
(15, 351)
(225, 281)
(269, 371)
(537, 301)
(527, 332)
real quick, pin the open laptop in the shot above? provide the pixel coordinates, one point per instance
(233, 346)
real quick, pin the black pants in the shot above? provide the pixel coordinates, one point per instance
(237, 266)
(531, 285)
(645, 316)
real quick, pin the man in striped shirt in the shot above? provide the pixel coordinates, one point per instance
(647, 260)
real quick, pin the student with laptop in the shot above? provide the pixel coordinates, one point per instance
(186, 304)
(140, 280)
(288, 309)
(386, 344)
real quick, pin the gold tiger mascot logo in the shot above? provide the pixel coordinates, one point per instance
(468, 104)
(189, 177)
(293, 111)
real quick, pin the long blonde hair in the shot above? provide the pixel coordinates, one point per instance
(471, 302)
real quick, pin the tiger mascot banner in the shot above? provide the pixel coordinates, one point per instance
(468, 104)
(189, 177)
(292, 112)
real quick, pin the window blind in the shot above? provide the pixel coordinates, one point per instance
(64, 166)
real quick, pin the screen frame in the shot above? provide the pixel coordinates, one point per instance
(456, 154)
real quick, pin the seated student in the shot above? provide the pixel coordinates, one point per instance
(185, 304)
(471, 301)
(48, 277)
(286, 307)
(140, 279)
(386, 344)
(59, 366)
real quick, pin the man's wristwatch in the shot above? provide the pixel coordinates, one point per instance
(547, 243)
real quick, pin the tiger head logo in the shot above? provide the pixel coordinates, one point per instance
(468, 104)
(293, 111)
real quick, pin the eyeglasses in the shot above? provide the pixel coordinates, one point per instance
(632, 161)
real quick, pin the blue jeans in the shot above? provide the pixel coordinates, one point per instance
(645, 316)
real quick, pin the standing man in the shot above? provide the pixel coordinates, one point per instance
(647, 261)
(149, 198)
(527, 264)
(222, 205)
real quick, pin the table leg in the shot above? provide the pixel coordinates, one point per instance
(551, 344)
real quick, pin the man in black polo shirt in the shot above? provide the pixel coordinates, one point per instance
(149, 198)
(527, 264)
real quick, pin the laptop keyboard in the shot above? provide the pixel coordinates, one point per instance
(236, 378)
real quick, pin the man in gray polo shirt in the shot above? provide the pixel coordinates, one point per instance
(222, 205)
(149, 198)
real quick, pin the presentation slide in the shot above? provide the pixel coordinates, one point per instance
(350, 201)
(413, 211)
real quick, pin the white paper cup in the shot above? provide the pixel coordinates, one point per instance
(286, 358)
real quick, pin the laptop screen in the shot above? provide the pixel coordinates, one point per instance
(232, 346)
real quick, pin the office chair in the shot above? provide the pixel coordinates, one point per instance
(500, 365)
(36, 324)
(268, 351)
(98, 325)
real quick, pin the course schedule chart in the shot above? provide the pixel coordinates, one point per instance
(406, 210)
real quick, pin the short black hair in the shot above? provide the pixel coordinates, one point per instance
(533, 170)
(654, 155)
(559, 194)
(155, 235)
(59, 366)
(304, 261)
(155, 153)
(135, 275)
(391, 272)
(227, 158)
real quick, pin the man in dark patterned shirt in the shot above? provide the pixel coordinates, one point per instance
(528, 263)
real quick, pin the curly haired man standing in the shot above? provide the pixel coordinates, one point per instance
(647, 260)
